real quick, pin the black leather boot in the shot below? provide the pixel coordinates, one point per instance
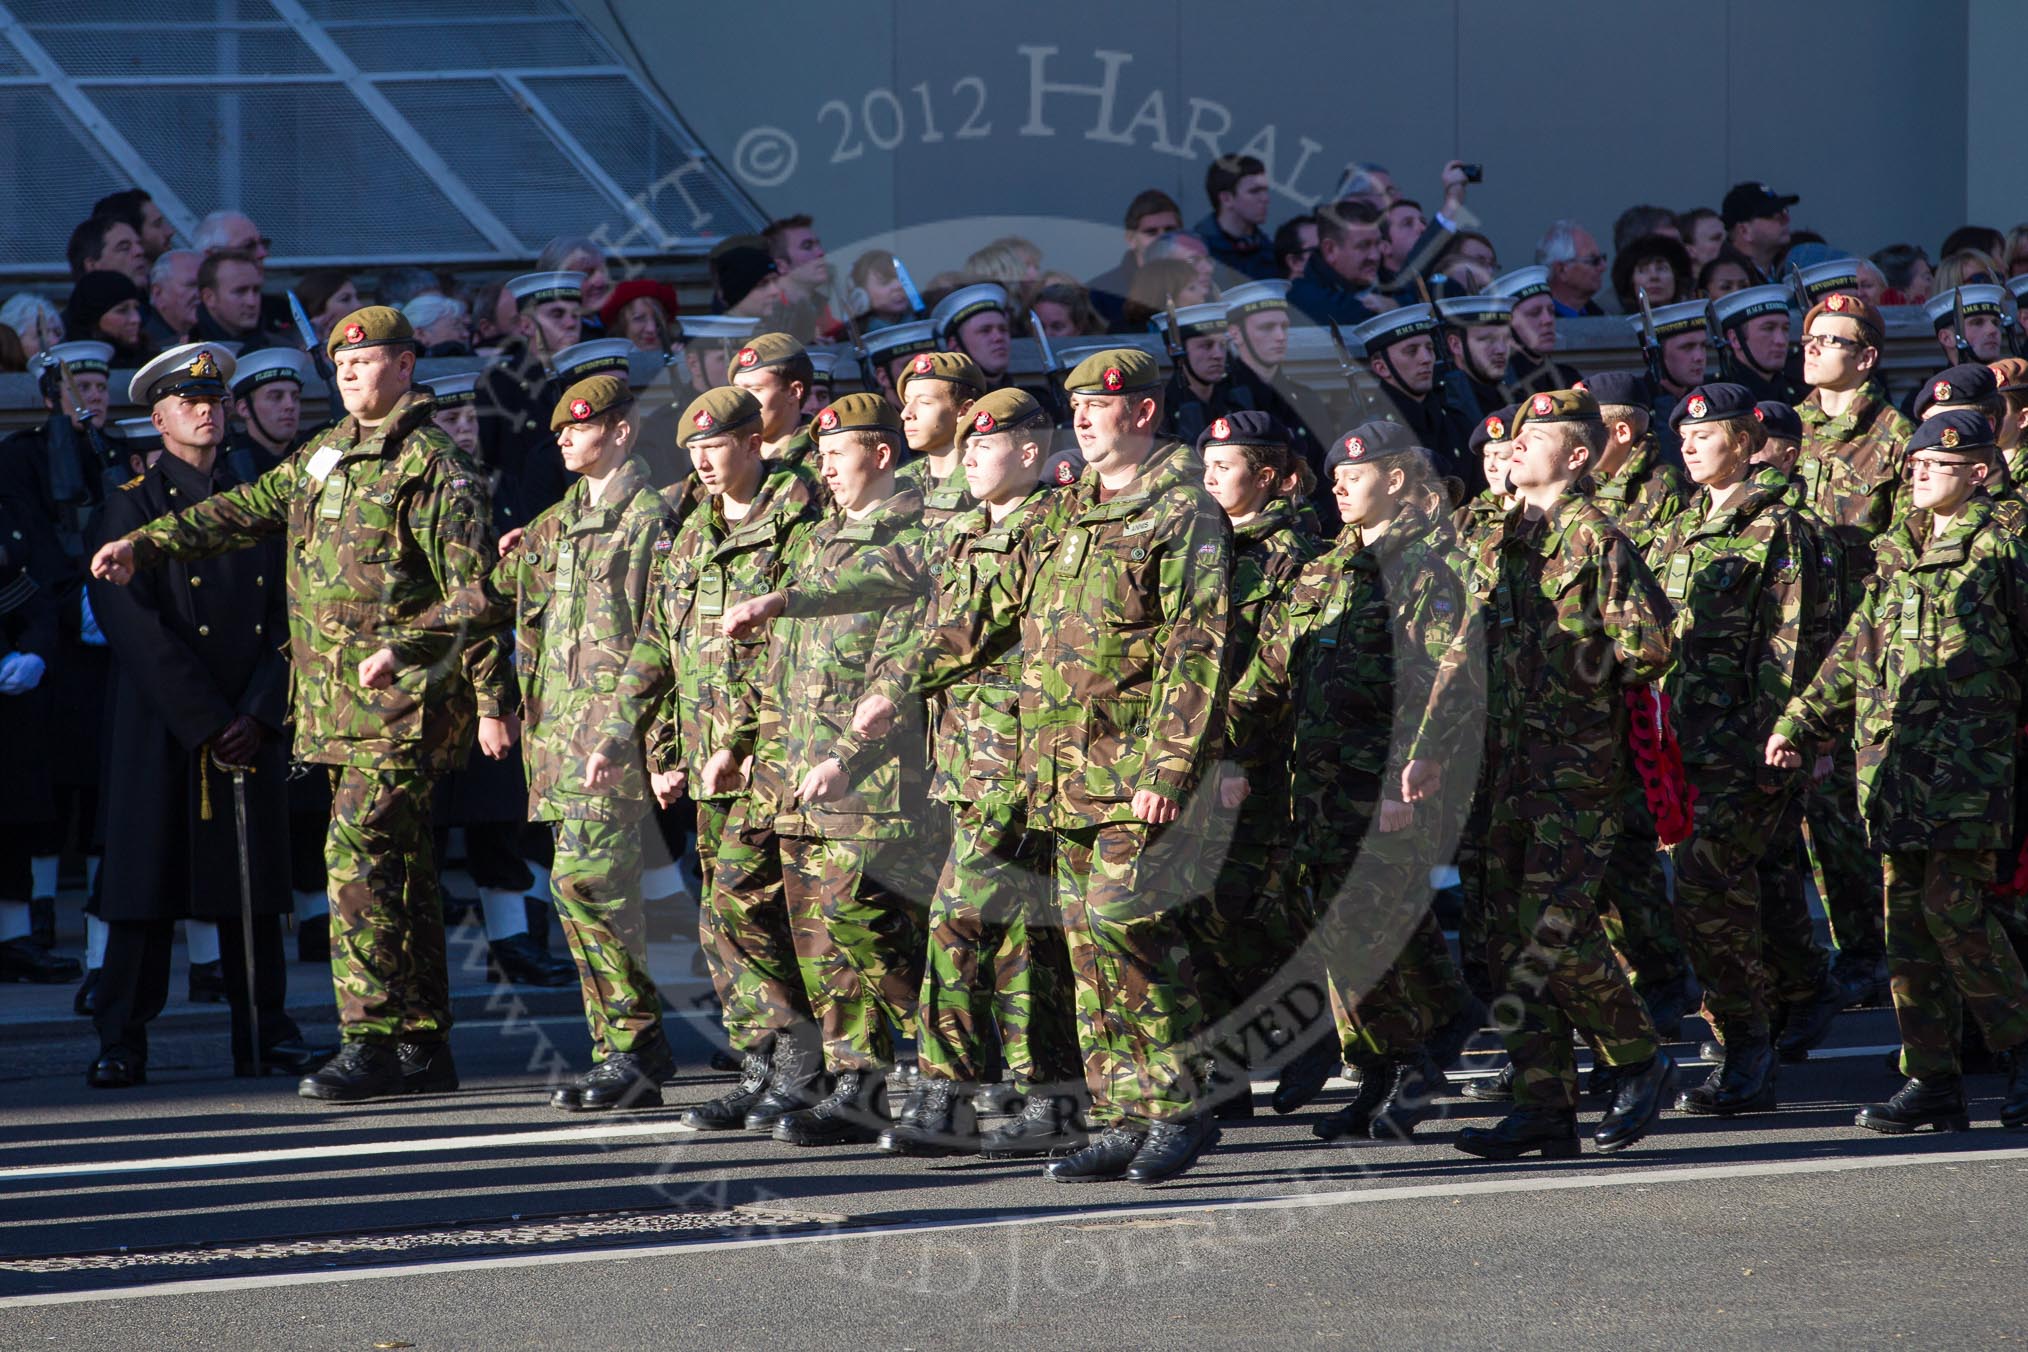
(117, 1069)
(1549, 1132)
(360, 1071)
(1048, 1125)
(1410, 1100)
(1492, 1089)
(728, 1111)
(23, 959)
(998, 1099)
(1669, 1003)
(1303, 1077)
(1809, 1022)
(1637, 1102)
(938, 1119)
(1171, 1148)
(207, 983)
(1919, 1103)
(1743, 1082)
(1104, 1160)
(1860, 978)
(1355, 1119)
(427, 1067)
(519, 959)
(1230, 1092)
(2014, 1107)
(619, 1081)
(855, 1110)
(795, 1083)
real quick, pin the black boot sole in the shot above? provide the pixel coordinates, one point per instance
(645, 1097)
(333, 1094)
(910, 1148)
(1549, 1150)
(1760, 1103)
(843, 1136)
(1056, 1150)
(1890, 1127)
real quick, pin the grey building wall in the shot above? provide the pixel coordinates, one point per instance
(882, 117)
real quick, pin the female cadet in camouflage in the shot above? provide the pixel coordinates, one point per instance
(684, 686)
(937, 390)
(1929, 671)
(1321, 720)
(1121, 624)
(578, 579)
(1477, 516)
(1241, 935)
(1741, 569)
(996, 960)
(856, 862)
(390, 546)
(1568, 620)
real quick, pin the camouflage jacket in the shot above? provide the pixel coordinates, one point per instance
(389, 545)
(1645, 495)
(1477, 518)
(1929, 669)
(1323, 713)
(1267, 554)
(1119, 605)
(1852, 465)
(579, 581)
(1828, 617)
(1562, 617)
(860, 594)
(686, 683)
(1747, 589)
(942, 500)
(976, 750)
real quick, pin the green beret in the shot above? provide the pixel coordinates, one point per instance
(768, 349)
(1000, 411)
(716, 412)
(955, 367)
(862, 412)
(1114, 370)
(1555, 406)
(589, 398)
(374, 326)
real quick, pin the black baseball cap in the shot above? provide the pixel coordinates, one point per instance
(1751, 201)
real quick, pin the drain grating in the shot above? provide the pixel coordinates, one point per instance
(465, 1239)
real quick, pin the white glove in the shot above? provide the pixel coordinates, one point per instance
(20, 673)
(88, 631)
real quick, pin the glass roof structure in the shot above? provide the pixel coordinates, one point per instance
(353, 132)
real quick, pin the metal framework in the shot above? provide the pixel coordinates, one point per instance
(278, 107)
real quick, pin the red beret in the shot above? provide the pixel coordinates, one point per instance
(632, 290)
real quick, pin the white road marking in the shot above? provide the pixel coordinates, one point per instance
(1606, 1177)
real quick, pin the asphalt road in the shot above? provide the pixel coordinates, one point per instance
(203, 1211)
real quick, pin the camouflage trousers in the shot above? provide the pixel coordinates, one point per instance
(1392, 979)
(1121, 888)
(597, 880)
(387, 918)
(1644, 928)
(1543, 860)
(1848, 870)
(855, 911)
(1245, 933)
(1797, 963)
(1718, 896)
(745, 919)
(996, 960)
(1947, 953)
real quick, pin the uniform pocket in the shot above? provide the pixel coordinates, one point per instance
(1115, 748)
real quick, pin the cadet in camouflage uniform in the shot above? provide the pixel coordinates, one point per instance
(1481, 513)
(683, 688)
(857, 857)
(776, 370)
(1805, 996)
(391, 544)
(1321, 719)
(578, 578)
(997, 960)
(1927, 674)
(1852, 469)
(1569, 621)
(1643, 494)
(1121, 624)
(937, 390)
(1242, 935)
(1741, 569)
